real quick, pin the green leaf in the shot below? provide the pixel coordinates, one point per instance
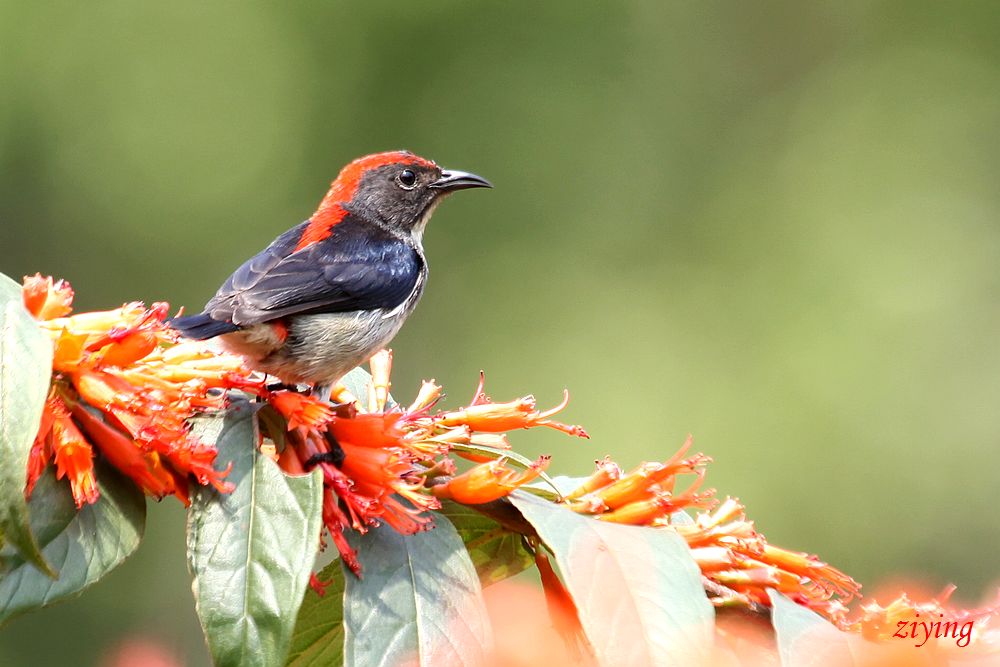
(805, 637)
(637, 590)
(250, 551)
(318, 640)
(25, 372)
(418, 602)
(496, 553)
(357, 382)
(85, 545)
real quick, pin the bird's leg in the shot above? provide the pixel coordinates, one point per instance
(334, 456)
(278, 386)
(324, 392)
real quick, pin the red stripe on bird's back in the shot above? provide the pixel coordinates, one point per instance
(331, 209)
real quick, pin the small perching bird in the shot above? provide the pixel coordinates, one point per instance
(332, 291)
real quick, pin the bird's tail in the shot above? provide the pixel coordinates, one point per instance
(201, 326)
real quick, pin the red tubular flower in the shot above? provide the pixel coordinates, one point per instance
(41, 448)
(371, 429)
(145, 469)
(488, 481)
(378, 473)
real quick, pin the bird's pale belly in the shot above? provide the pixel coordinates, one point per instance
(318, 348)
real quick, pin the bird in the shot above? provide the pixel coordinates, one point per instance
(327, 294)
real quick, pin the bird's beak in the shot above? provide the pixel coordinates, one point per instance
(459, 180)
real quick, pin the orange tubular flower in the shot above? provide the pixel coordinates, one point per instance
(649, 484)
(488, 481)
(129, 349)
(74, 459)
(482, 415)
(301, 410)
(660, 505)
(497, 417)
(46, 299)
(607, 472)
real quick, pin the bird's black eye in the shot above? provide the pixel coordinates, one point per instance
(407, 178)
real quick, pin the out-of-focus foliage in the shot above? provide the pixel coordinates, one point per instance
(774, 226)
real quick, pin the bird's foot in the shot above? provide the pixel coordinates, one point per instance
(334, 456)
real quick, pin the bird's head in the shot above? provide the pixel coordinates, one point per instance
(397, 189)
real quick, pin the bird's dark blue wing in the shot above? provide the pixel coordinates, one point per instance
(351, 270)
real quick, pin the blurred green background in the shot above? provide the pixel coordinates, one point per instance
(773, 225)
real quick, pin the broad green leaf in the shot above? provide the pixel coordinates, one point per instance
(357, 382)
(25, 371)
(250, 551)
(418, 601)
(318, 640)
(496, 552)
(84, 545)
(637, 590)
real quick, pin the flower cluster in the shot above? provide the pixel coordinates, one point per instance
(737, 561)
(377, 458)
(927, 622)
(123, 385)
(743, 565)
(646, 496)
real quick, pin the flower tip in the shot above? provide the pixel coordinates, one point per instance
(480, 396)
(45, 298)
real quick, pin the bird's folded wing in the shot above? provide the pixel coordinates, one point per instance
(320, 278)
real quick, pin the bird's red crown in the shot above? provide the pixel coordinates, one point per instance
(331, 209)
